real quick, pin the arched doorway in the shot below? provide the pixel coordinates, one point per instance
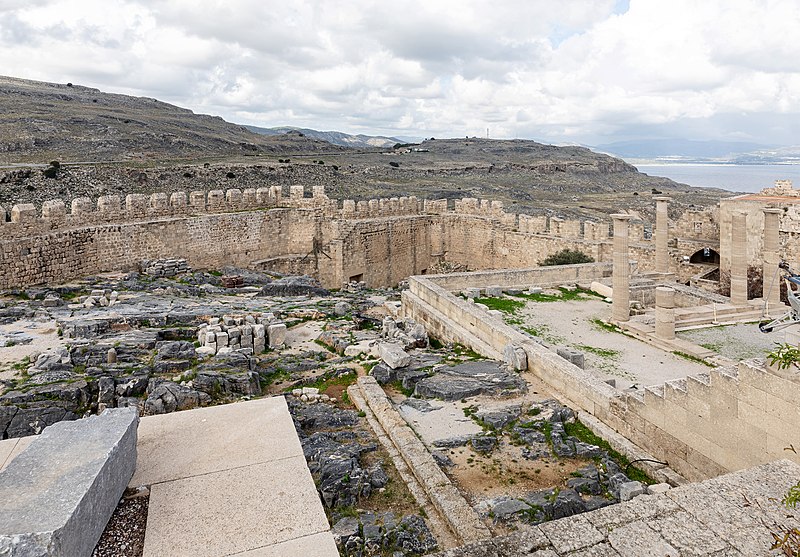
(705, 256)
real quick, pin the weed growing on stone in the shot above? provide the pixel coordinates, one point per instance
(784, 356)
(398, 386)
(605, 326)
(580, 431)
(602, 352)
(691, 358)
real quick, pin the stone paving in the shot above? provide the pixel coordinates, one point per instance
(10, 448)
(728, 516)
(228, 480)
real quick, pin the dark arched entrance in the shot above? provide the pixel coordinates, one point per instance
(705, 256)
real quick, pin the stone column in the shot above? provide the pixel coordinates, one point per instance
(739, 258)
(620, 301)
(662, 234)
(772, 280)
(665, 312)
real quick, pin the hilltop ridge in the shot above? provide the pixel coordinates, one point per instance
(41, 121)
(109, 143)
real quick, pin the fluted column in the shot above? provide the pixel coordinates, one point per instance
(665, 312)
(772, 280)
(620, 300)
(739, 258)
(662, 234)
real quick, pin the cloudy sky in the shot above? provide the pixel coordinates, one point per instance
(588, 71)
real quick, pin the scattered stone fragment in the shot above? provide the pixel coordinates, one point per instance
(470, 379)
(393, 355)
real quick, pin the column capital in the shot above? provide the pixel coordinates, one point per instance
(621, 216)
(663, 198)
(773, 210)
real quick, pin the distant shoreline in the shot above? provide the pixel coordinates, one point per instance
(734, 177)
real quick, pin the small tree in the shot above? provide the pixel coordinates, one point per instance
(567, 257)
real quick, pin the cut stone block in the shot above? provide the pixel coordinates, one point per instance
(277, 335)
(655, 489)
(515, 357)
(58, 494)
(573, 356)
(393, 355)
(629, 490)
(494, 291)
(472, 293)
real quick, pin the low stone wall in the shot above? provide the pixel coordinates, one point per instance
(523, 278)
(461, 519)
(702, 426)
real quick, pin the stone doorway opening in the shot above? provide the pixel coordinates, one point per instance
(705, 256)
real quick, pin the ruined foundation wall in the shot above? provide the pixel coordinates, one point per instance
(702, 426)
(382, 252)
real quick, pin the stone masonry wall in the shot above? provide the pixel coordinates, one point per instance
(379, 241)
(702, 426)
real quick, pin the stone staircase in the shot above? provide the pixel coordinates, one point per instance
(716, 314)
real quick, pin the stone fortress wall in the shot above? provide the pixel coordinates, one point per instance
(380, 241)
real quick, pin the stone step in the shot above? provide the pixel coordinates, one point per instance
(700, 378)
(654, 390)
(721, 319)
(677, 384)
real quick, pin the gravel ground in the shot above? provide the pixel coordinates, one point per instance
(609, 354)
(124, 533)
(737, 342)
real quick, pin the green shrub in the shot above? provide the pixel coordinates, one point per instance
(567, 257)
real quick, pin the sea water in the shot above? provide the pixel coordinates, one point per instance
(732, 177)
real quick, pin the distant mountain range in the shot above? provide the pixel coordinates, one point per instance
(692, 151)
(359, 141)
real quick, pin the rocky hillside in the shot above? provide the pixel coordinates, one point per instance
(108, 143)
(41, 121)
(359, 141)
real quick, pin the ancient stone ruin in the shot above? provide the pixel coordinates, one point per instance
(299, 355)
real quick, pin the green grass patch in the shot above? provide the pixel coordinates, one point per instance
(506, 305)
(398, 386)
(580, 431)
(466, 352)
(22, 365)
(605, 326)
(325, 346)
(713, 346)
(533, 331)
(691, 358)
(564, 295)
(602, 352)
(324, 384)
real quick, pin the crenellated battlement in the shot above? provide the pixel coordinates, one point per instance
(25, 219)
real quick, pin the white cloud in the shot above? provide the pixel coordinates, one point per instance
(578, 70)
